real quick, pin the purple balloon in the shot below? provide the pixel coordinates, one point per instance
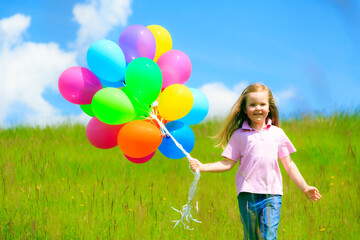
(175, 67)
(78, 85)
(137, 41)
(102, 135)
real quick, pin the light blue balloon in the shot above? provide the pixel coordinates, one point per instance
(199, 109)
(112, 84)
(106, 60)
(183, 134)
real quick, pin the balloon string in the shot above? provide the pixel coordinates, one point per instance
(143, 107)
(186, 209)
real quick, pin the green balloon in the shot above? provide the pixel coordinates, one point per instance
(142, 110)
(143, 79)
(112, 106)
(87, 109)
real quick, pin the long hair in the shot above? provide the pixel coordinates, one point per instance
(237, 115)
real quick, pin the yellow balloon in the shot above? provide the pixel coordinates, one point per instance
(162, 38)
(175, 102)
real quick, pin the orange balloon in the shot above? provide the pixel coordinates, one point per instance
(139, 138)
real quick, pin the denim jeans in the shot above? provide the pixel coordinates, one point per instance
(260, 215)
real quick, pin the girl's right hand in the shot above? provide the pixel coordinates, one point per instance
(312, 193)
(195, 164)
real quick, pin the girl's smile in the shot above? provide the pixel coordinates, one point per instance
(257, 109)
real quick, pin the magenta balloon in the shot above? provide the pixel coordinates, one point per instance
(137, 41)
(78, 85)
(102, 135)
(140, 160)
(175, 67)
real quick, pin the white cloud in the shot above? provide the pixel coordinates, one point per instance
(283, 96)
(97, 18)
(11, 30)
(27, 69)
(48, 120)
(221, 98)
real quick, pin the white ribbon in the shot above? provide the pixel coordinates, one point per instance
(186, 209)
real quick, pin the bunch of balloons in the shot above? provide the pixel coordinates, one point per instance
(129, 83)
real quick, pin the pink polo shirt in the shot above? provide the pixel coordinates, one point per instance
(258, 152)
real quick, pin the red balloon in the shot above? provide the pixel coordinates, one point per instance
(139, 138)
(102, 135)
(140, 160)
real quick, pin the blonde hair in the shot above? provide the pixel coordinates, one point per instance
(237, 115)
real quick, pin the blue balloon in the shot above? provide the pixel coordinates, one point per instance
(183, 134)
(199, 109)
(106, 60)
(112, 84)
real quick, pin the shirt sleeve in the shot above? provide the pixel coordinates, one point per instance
(285, 146)
(232, 149)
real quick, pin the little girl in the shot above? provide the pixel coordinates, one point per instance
(252, 137)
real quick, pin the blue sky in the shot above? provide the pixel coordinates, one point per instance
(307, 52)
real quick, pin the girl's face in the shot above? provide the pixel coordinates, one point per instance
(257, 107)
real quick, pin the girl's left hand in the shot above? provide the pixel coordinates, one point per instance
(195, 164)
(312, 193)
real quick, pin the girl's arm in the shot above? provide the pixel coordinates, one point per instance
(310, 192)
(220, 166)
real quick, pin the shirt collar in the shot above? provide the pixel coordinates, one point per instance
(246, 125)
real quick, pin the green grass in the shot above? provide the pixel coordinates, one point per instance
(56, 185)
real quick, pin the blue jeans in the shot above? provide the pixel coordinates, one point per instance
(260, 215)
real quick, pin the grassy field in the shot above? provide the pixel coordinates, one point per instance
(56, 185)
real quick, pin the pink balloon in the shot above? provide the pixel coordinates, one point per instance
(102, 135)
(137, 41)
(175, 67)
(78, 85)
(140, 160)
